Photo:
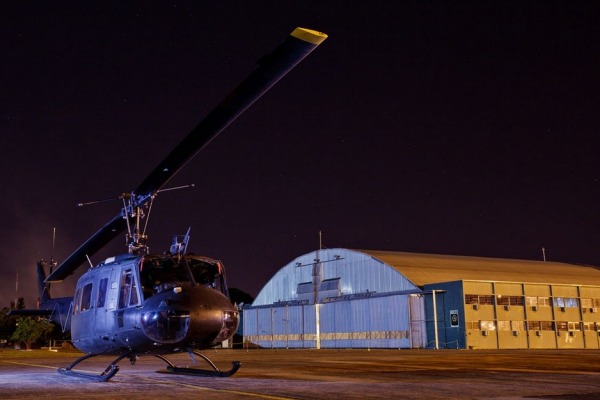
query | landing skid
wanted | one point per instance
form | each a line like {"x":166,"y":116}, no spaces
{"x":173,"y":369}
{"x":113,"y":368}
{"x":108,"y":373}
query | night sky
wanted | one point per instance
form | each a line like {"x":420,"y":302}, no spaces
{"x":465,"y":128}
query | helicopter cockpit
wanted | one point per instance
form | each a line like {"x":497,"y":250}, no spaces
{"x":166,"y":271}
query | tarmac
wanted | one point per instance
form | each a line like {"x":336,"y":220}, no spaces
{"x":317,"y":374}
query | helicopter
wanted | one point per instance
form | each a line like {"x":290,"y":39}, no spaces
{"x":137,"y":304}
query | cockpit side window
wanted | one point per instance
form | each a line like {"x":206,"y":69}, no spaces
{"x":210,"y":274}
{"x":76,"y":300}
{"x":134,"y":299}
{"x":102,"y":292}
{"x":128,"y":292}
{"x":86,"y":297}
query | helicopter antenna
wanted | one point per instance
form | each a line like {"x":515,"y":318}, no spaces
{"x":52,"y":260}
{"x":90,"y":261}
{"x":53,"y":243}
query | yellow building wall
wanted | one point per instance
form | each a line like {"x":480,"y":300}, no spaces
{"x":565,"y":291}
{"x":531,"y":315}
{"x":478,"y":287}
{"x":536,"y":289}
{"x":542,"y":339}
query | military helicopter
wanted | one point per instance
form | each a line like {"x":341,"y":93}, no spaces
{"x":138,"y":304}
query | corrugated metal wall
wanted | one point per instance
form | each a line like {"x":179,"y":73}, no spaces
{"x":394,"y":321}
{"x":357,"y":272}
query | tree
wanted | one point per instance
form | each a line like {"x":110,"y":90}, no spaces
{"x":7,"y":325}
{"x":20,"y":303}
{"x":30,"y":330}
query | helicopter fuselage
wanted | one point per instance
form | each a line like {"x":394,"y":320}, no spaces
{"x":152,"y":304}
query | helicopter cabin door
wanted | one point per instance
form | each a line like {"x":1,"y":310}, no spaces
{"x":103,"y":324}
{"x":106,"y":303}
{"x":129,"y":298}
{"x":82,"y":320}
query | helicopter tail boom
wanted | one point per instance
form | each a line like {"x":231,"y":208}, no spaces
{"x":57,"y":310}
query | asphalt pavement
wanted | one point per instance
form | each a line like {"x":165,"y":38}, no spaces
{"x":317,"y":374}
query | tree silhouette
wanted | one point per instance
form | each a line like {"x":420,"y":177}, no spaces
{"x":30,"y":330}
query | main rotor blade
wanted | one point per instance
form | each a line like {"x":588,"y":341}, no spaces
{"x":270,"y":69}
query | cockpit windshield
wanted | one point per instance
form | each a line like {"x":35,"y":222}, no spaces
{"x":164,"y":272}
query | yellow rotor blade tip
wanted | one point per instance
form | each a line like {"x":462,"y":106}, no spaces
{"x":309,"y":35}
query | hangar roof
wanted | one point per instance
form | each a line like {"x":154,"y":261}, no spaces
{"x":423,"y":269}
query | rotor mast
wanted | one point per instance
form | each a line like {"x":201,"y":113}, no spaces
{"x":136,"y":240}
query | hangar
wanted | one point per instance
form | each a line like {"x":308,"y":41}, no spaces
{"x":341,"y":298}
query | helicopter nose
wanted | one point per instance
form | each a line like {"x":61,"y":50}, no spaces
{"x":166,"y":326}
{"x":230,"y":325}
{"x":196,"y":316}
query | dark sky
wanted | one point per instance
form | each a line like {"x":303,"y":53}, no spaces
{"x":465,"y":128}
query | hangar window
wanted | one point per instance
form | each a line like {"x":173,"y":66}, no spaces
{"x":305,"y":287}
{"x":534,"y":326}
{"x":545,"y":301}
{"x":531,"y":301}
{"x":487,"y":325}
{"x":575,"y":326}
{"x":504,"y":325}
{"x":517,"y":325}
{"x":559,"y":302}
{"x":570,"y":302}
{"x":562,"y":325}
{"x":540,"y":326}
{"x":587,"y":303}
{"x":330,"y":284}
{"x":511,"y":326}
{"x":509,"y":300}
{"x":472,"y":324}
{"x":546,"y":326}
{"x":537,"y":301}
{"x":479,"y":299}
{"x":471,"y":299}
{"x":590,"y":326}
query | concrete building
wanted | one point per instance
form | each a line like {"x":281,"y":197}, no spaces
{"x":340,"y":298}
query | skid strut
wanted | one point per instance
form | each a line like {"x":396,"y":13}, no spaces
{"x":108,"y":373}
